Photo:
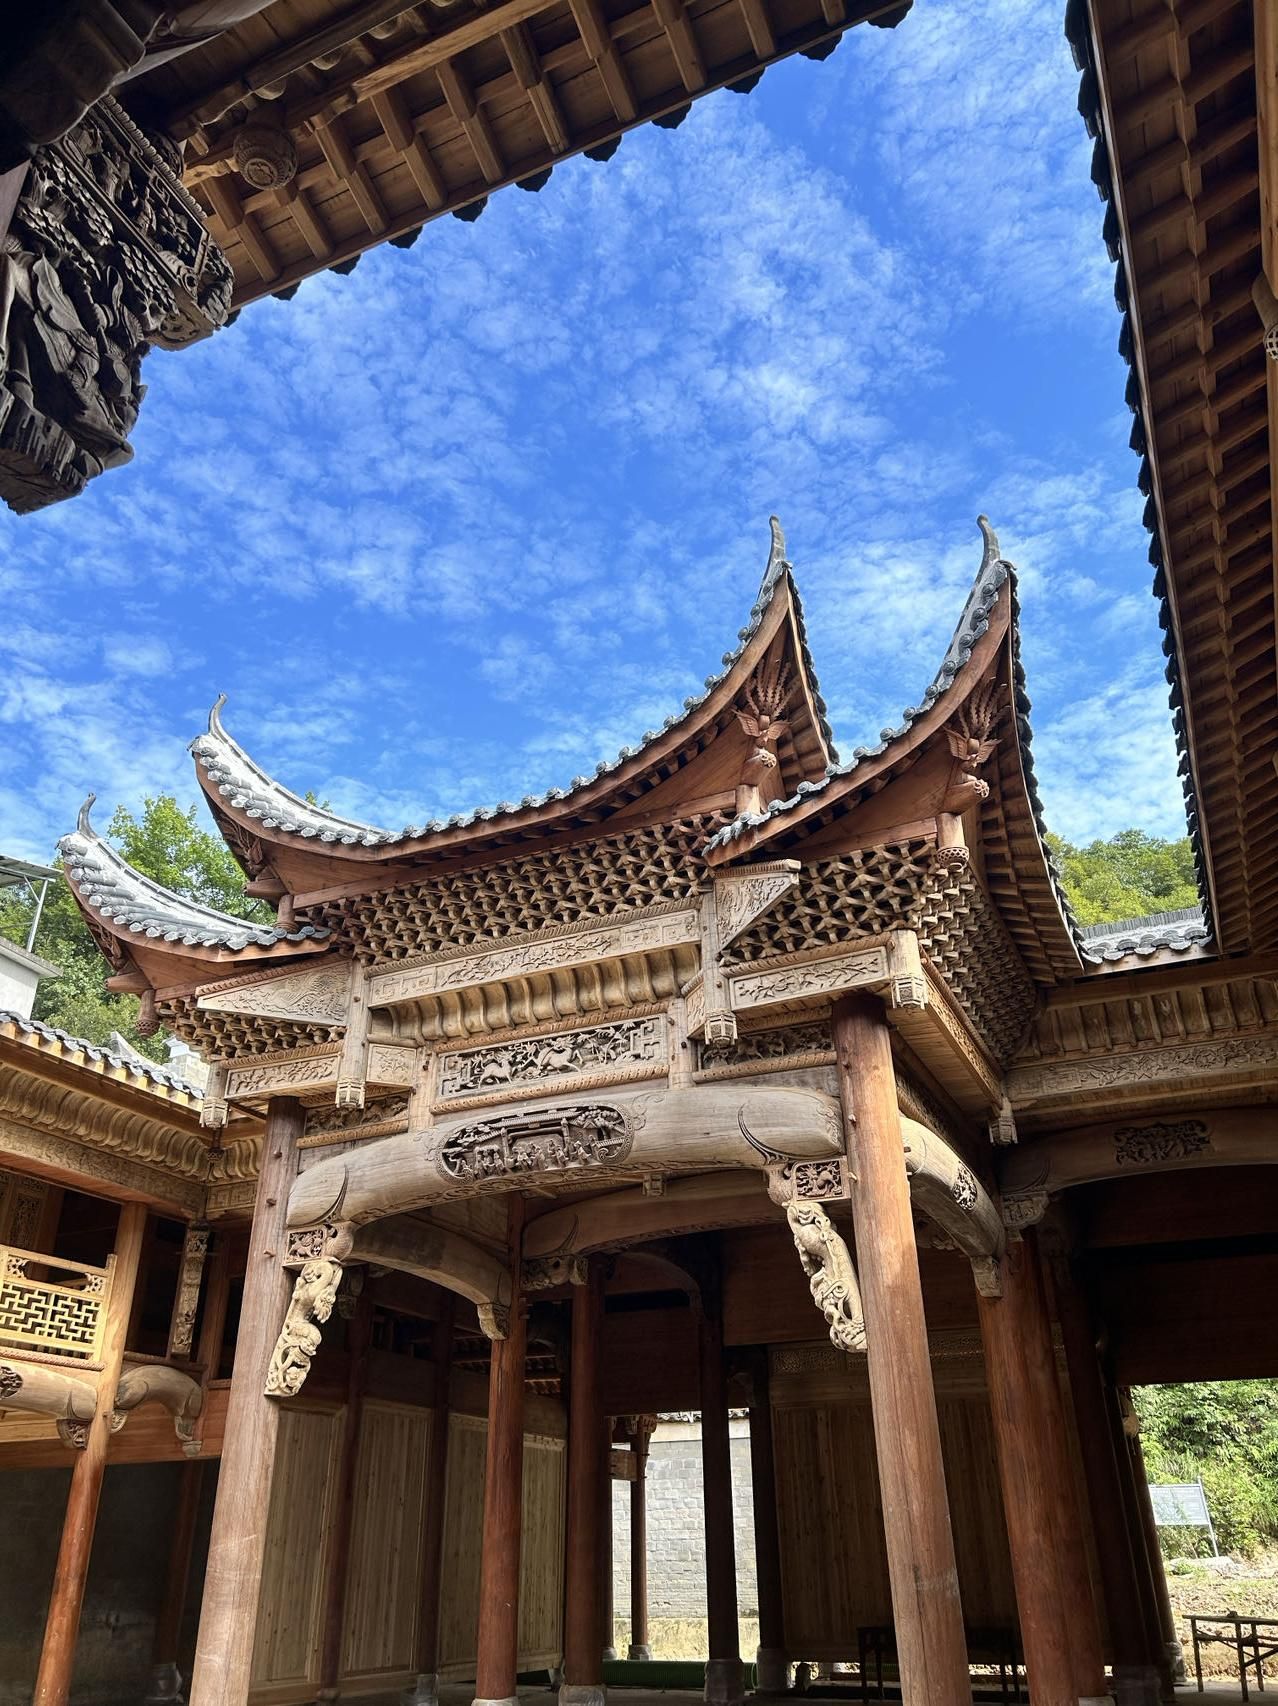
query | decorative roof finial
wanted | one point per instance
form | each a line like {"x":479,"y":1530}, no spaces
{"x":215,"y":715}
{"x":992,"y":552}
{"x":776,"y":564}
{"x":82,"y":823}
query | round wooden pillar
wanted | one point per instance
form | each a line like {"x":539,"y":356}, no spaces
{"x":1173,"y":1655}
{"x":587,"y":1466}
{"x":771,"y":1663}
{"x":166,"y":1680}
{"x":1135,"y":1669}
{"x":497,"y":1661}
{"x":62,"y":1624}
{"x":237,"y":1544}
{"x":639,"y":1652}
{"x":930,"y":1639}
{"x":1059,"y":1629}
{"x":725,"y":1677}
{"x":607,"y":1610}
{"x":425,"y":1690}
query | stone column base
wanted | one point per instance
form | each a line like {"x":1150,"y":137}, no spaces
{"x":1177,"y":1658}
{"x":610,"y":1655}
{"x":506,"y":1700}
{"x":424,"y":1691}
{"x":1137,"y":1685}
{"x":165,"y":1687}
{"x":772,"y":1671}
{"x":725,"y":1682}
{"x":640,"y":1655}
{"x":583,"y":1694}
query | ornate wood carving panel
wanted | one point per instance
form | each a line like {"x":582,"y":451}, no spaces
{"x":599,"y":1054}
{"x":319,"y":996}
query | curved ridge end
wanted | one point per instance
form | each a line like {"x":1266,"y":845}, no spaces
{"x":82,"y":824}
{"x":992,"y":552}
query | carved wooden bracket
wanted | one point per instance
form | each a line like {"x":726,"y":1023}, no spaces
{"x":743,"y":895}
{"x":314,"y":1293}
{"x":831,"y":1274}
{"x":48,"y":1392}
{"x":146,"y":1383}
{"x":947,"y":1190}
{"x":186,"y":1304}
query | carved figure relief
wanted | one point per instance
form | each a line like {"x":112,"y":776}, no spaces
{"x":187,"y":1303}
{"x":106,"y":254}
{"x":819,"y":977}
{"x":764,"y":721}
{"x":631,"y":1046}
{"x":314,"y":1294}
{"x":831,"y":1275}
{"x":544,"y":1272}
{"x":741,"y":898}
{"x":1160,"y":1141}
{"x":780,"y":1044}
{"x":330,"y":1241}
{"x":547,"y":1140}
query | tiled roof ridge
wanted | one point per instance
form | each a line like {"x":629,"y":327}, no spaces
{"x":1145,"y":921}
{"x":1078,"y":35}
{"x":138,"y":1065}
{"x":250,"y":789}
{"x":110,"y":887}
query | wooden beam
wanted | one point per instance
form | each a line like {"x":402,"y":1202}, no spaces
{"x":389,"y":107}
{"x":294,"y":199}
{"x":475,"y":126}
{"x":673,"y":17}
{"x":336,"y":148}
{"x":525,"y":62}
{"x":228,"y":208}
{"x":759,"y":27}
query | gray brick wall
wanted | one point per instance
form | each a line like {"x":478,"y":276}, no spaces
{"x":676,"y":1538}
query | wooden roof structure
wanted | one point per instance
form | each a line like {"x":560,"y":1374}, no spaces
{"x":314,"y":131}
{"x":1183,"y":102}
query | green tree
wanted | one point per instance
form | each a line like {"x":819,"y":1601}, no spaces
{"x":1224,"y":1433}
{"x":1128,"y":876}
{"x":164,"y":843}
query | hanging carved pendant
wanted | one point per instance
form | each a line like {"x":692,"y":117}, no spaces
{"x":314,"y":1294}
{"x":105,"y":254}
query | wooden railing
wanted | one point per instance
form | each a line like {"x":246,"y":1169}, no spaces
{"x":53,"y":1307}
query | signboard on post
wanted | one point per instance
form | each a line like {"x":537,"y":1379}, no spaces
{"x":1183,"y":1505}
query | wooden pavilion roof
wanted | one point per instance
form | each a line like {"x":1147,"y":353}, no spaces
{"x":399,"y":114}
{"x":1182,"y":99}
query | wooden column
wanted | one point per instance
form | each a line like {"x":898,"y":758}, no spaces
{"x":930,"y":1639}
{"x":1059,"y":1629}
{"x":57,"y":1655}
{"x":337,"y":1574}
{"x":1135,"y":1666}
{"x":497,"y":1666}
{"x":725,"y":1677}
{"x":1173,"y":1654}
{"x":1150,"y":1614}
{"x":771,"y":1662}
{"x":166,"y":1679}
{"x":587,"y":1443}
{"x":639,"y":1651}
{"x":607,"y":1610}
{"x":425,"y":1690}
{"x":228,"y":1616}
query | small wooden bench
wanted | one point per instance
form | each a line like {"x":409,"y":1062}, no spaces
{"x":997,"y":1648}
{"x":1254,"y":1639}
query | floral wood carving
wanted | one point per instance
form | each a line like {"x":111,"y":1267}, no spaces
{"x":831,"y":1275}
{"x":105,"y":254}
{"x":314,"y":1294}
{"x":322,"y":995}
{"x":742,"y":897}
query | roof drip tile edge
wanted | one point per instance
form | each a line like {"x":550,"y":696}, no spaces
{"x":158,"y":1074}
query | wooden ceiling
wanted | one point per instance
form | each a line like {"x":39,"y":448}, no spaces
{"x":1184,"y":99}
{"x":400,"y":115}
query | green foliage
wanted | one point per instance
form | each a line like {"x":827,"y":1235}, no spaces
{"x":1224,"y":1433}
{"x":1128,"y":876}
{"x":166,"y":844}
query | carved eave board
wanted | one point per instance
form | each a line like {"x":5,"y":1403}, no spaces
{"x":757,"y":732}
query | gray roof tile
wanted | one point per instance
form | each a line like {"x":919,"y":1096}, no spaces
{"x":137,"y":1065}
{"x":1176,"y":931}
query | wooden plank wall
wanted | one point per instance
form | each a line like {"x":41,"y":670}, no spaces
{"x":386,"y":1551}
{"x":833,"y":1560}
{"x":286,"y":1656}
{"x":541,"y":1563}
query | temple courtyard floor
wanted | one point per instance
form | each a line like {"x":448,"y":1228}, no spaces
{"x":461,"y":1694}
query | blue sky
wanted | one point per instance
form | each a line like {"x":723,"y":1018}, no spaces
{"x":451,"y":529}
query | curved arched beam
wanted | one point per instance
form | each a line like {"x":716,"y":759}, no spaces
{"x":147,"y":1383}
{"x":621,"y":1219}
{"x":639,"y":1132}
{"x":434,"y":1253}
{"x":48,"y":1392}
{"x":948,"y":1192}
{"x":1127,"y":1148}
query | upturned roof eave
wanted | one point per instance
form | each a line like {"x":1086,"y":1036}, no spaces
{"x":242,"y":794}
